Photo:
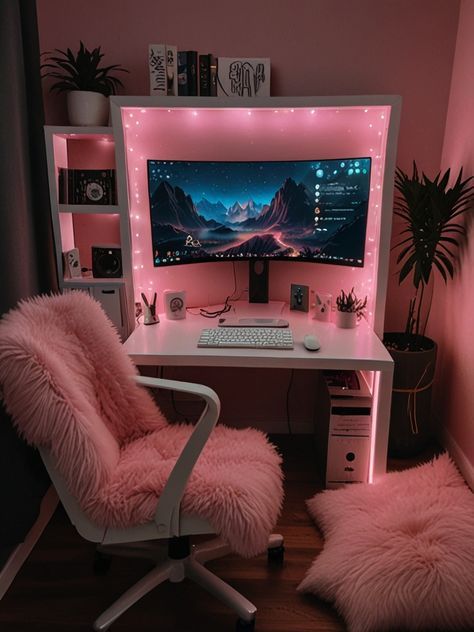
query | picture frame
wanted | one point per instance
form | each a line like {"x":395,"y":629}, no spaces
{"x":243,"y":77}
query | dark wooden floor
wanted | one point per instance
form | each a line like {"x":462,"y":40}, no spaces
{"x":56,"y":589}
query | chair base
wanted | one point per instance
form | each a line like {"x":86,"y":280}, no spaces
{"x":181,"y":562}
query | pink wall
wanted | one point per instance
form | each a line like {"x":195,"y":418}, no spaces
{"x":317,"y":47}
{"x":452,"y":313}
{"x":261,"y":134}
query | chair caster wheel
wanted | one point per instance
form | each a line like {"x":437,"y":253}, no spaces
{"x":102,"y":562}
{"x":276,"y":555}
{"x":245,"y":626}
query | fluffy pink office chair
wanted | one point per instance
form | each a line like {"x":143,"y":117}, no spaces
{"x":123,"y":473}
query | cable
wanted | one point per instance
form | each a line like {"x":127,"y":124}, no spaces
{"x":172,"y":397}
{"x":224,"y":310}
{"x":175,"y":408}
{"x":207,"y":314}
{"x":290,"y":383}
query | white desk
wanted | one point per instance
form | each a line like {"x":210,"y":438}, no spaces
{"x":174,"y":343}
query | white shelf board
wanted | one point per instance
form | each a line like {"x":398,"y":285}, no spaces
{"x":99,"y":209}
{"x":91,"y":281}
{"x":65,"y":131}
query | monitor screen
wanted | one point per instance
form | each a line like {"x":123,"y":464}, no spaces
{"x":314,"y":210}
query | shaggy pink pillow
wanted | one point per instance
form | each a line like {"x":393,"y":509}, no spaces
{"x":398,"y":554}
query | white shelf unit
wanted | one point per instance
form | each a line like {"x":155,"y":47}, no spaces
{"x":267,"y":128}
{"x":83,"y":225}
{"x":274,"y":128}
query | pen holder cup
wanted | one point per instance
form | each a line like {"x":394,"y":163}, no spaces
{"x":150,"y":316}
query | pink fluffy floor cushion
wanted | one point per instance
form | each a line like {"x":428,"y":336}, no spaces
{"x":398,"y":554}
{"x":66,"y":383}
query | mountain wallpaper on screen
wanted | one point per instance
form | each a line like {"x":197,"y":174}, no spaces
{"x":311,"y":210}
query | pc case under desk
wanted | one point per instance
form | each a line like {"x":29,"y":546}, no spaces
{"x":343,"y":428}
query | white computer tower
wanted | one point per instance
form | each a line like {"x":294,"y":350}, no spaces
{"x":344,"y":432}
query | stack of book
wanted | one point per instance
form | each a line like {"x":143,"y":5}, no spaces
{"x":181,"y":73}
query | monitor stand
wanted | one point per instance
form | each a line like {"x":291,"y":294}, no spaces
{"x":258,"y":280}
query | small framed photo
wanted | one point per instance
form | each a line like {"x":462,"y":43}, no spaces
{"x":243,"y":77}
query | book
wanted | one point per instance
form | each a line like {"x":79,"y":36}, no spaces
{"x":62,"y":186}
{"x":243,"y":77}
{"x":182,"y":73}
{"x":192,"y":71}
{"x":171,"y":71}
{"x":204,"y":76}
{"x":212,"y":75}
{"x":157,"y":69}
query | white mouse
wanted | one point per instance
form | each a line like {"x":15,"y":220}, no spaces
{"x":311,"y":342}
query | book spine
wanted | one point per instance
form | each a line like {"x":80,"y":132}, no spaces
{"x":107,"y":180}
{"x":157,"y":68}
{"x":61,"y":186}
{"x":172,"y":71}
{"x":70,"y":187}
{"x":212,"y":75}
{"x":204,"y":76}
{"x":192,"y":73}
{"x":182,"y":73}
{"x":113,"y":187}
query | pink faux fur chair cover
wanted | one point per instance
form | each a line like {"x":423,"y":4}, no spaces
{"x":66,"y":383}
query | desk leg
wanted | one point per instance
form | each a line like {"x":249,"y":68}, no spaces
{"x":381,"y":422}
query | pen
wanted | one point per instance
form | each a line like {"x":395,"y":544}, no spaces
{"x":154,"y":300}
{"x":144,"y":300}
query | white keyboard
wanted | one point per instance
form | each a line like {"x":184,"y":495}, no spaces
{"x":247,"y":337}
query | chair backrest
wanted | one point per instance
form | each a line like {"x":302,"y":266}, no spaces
{"x":66,"y":382}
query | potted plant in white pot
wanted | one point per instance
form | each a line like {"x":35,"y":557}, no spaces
{"x":431,"y":234}
{"x":349,"y":309}
{"x":88,"y":85}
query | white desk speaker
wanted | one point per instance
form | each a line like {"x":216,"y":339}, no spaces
{"x":175,"y":304}
{"x":72,"y":264}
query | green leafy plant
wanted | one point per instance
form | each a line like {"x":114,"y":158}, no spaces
{"x":430,"y":210}
{"x":348,"y":302}
{"x":81,"y":71}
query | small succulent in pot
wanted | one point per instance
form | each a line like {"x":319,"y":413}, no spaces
{"x":348,"y":302}
{"x":350,"y":309}
{"x":81,"y":71}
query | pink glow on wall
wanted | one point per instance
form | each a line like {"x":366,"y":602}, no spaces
{"x":250,"y":134}
{"x":86,"y":151}
{"x":95,"y":230}
{"x":91,"y":154}
{"x":450,"y":321}
{"x":368,"y":48}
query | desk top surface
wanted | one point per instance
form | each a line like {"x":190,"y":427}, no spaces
{"x":174,"y":343}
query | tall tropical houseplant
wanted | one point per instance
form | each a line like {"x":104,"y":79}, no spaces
{"x":87,"y":84}
{"x":432,"y":232}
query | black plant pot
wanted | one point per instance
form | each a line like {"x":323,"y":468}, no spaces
{"x":411,"y":427}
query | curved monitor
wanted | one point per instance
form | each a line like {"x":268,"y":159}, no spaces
{"x":312,"y":210}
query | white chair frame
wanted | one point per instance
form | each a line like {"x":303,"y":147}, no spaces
{"x":168,"y":523}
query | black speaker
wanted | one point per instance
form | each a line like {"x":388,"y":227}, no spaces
{"x":258,"y":281}
{"x":106,"y":262}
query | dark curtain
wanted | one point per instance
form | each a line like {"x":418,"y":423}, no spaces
{"x":26,"y":243}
